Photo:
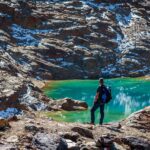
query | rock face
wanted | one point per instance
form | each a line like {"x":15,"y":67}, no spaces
{"x":86,"y":40}
{"x":39,"y":132}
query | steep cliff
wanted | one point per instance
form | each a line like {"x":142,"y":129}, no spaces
{"x":74,"y":39}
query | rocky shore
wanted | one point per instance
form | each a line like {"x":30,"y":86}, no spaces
{"x":25,"y":127}
{"x":36,"y":131}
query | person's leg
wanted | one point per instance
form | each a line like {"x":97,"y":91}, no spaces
{"x":102,"y":114}
{"x":93,"y":109}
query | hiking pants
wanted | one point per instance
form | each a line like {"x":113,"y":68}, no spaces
{"x":94,"y":108}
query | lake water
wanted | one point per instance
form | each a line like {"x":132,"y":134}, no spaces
{"x":129,"y":95}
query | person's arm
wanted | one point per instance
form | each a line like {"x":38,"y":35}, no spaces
{"x":96,"y":97}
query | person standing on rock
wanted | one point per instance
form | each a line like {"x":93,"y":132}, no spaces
{"x":103,"y":95}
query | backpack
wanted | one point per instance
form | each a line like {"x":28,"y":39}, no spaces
{"x":106,"y":94}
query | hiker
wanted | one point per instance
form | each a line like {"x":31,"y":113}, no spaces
{"x":103,"y":95}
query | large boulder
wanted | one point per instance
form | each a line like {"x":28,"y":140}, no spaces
{"x":105,"y":141}
{"x":68,"y":104}
{"x":138,"y":143}
{"x":73,"y":136}
{"x":45,"y":141}
{"x":72,"y":145}
{"x":83,"y":131}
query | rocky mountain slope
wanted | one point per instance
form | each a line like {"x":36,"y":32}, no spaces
{"x":43,"y":40}
{"x":74,"y":39}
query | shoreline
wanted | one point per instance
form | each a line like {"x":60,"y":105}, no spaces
{"x":129,"y":133}
{"x":45,"y":83}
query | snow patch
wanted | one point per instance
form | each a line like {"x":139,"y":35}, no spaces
{"x":126,"y":44}
{"x":27,"y":98}
{"x":108,"y":70}
{"x":31,"y":101}
{"x":27,"y":37}
{"x":4,"y":15}
{"x":38,"y":78}
{"x":9,"y":112}
{"x":119,"y":38}
{"x":91,"y":18}
{"x":134,"y":16}
{"x":39,"y":106}
{"x":25,"y":64}
{"x":124,"y":20}
{"x":104,"y":16}
{"x":66,"y":64}
{"x":2,"y":64}
{"x":85,"y":6}
{"x":132,"y":60}
{"x":81,"y":47}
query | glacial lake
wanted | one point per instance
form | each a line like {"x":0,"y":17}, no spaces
{"x":129,"y":95}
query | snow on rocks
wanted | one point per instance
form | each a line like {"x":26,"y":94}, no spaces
{"x":2,"y":64}
{"x":66,"y":64}
{"x":25,"y":64}
{"x":9,"y":112}
{"x":27,"y":37}
{"x":31,"y":101}
{"x":108,"y":70}
{"x":124,"y":20}
{"x":4,"y":15}
{"x":27,"y":96}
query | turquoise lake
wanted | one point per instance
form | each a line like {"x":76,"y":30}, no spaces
{"x":129,"y":95}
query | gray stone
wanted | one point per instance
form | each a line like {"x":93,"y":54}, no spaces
{"x":137,"y":143}
{"x":12,"y":139}
{"x":105,"y":141}
{"x":71,"y":135}
{"x":117,"y":146}
{"x":83,"y":131}
{"x":33,"y":128}
{"x":72,"y":145}
{"x":8,"y":147}
{"x":45,"y":141}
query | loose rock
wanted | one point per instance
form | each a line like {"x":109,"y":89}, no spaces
{"x":45,"y":141}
